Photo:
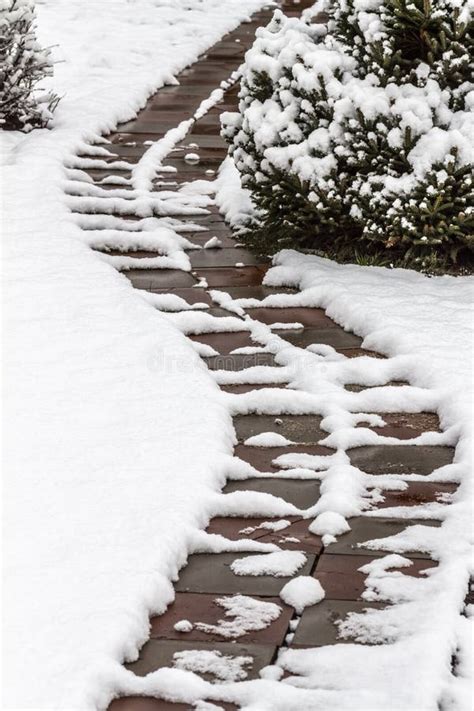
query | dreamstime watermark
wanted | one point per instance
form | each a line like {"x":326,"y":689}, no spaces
{"x":161,"y":360}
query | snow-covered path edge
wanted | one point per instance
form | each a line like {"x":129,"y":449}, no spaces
{"x":111,"y":461}
{"x":429,"y":322}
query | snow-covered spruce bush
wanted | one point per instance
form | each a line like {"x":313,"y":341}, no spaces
{"x":358,"y":139}
{"x":23,"y":63}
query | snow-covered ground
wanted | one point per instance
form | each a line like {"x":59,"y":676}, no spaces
{"x":113,"y":460}
{"x":425,"y":326}
{"x":110,"y":453}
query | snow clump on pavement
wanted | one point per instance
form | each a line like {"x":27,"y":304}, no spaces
{"x":302,"y":592}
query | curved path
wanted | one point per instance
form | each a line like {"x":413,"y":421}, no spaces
{"x":208,"y":576}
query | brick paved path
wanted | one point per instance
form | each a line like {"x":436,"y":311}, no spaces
{"x":208,"y":576}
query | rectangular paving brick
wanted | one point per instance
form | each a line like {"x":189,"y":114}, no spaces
{"x":297,"y":7}
{"x":121,"y":137}
{"x":226,"y":342}
{"x":417,"y":492}
{"x":359,"y":353}
{"x":352,"y":387}
{"x":210,"y":221}
{"x":202,"y":607}
{"x":240,"y":362}
{"x":209,"y":152}
{"x":341,"y":579}
{"x":210,"y":125}
{"x":295,"y":536}
{"x":317,"y":626}
{"x":335,"y":337}
{"x":367,"y":528}
{"x":157,"y":654}
{"x":240,"y":527}
{"x":135,"y":253}
{"x":407,"y":426}
{"x":211,"y":573}
{"x":147,"y":125}
{"x":204,"y":70}
{"x":182,"y":166}
{"x":231,"y":276}
{"x":315,"y":318}
{"x":262,"y":457}
{"x":226,"y":50}
{"x":223,"y":257}
{"x":214,"y":226}
{"x":200,"y":238}
{"x":188,"y":171}
{"x":152,"y":279}
{"x":227,"y":104}
{"x":296,"y":428}
{"x":186,"y":105}
{"x":113,"y":184}
{"x":396,"y":459}
{"x":243,"y":388}
{"x":255,"y":292}
{"x":302,"y":493}
{"x":203,"y":141}
{"x":144,"y":703}
{"x":190,"y":295}
{"x":219,"y":312}
{"x":175,"y":90}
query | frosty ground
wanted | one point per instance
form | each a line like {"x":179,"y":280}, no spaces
{"x":119,"y":439}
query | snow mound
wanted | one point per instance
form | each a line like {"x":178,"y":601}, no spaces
{"x":302,"y":592}
{"x":267,"y":439}
{"x":329,"y":523}
{"x":183,"y":626}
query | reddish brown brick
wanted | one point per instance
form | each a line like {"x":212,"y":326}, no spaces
{"x":202,"y":607}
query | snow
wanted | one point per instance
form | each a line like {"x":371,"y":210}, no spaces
{"x":146,"y":169}
{"x":267,"y":439}
{"x":233,"y":200}
{"x":98,"y":509}
{"x":115,"y":465}
{"x":418,"y":118}
{"x":281,"y":564}
{"x":428,"y":341}
{"x":213,"y":243}
{"x":222,"y":666}
{"x":301,"y":592}
{"x":329,"y":523}
{"x":271,"y":672}
{"x":183,"y":626}
{"x":267,"y":526}
{"x":246,"y":615}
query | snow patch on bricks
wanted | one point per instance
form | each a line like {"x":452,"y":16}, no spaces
{"x":280,"y":564}
{"x":267,"y":439}
{"x":243,"y":614}
{"x":302,"y":592}
{"x":224,"y":667}
{"x":427,"y":339}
